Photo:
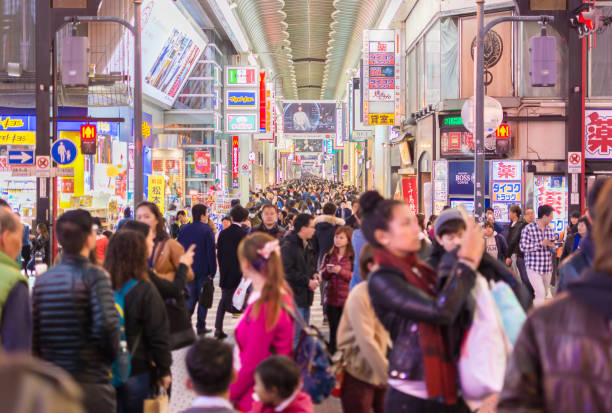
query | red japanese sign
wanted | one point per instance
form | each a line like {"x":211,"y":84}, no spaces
{"x":552,"y":190}
{"x":262,"y":101}
{"x":409,"y":189}
{"x":166,"y":165}
{"x":202,"y":162}
{"x":381,"y":83}
{"x":120,"y":187}
{"x":235,"y":157}
{"x":507,"y":171}
{"x":598,"y":134}
{"x":382,"y":59}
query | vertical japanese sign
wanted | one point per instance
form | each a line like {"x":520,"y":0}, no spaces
{"x":598,"y":134}
{"x":552,"y":190}
{"x":202,"y":162}
{"x":440,"y":190}
{"x":506,"y":187}
{"x":157,"y":191}
{"x":409,"y":189}
{"x":381,"y":77}
{"x":262,"y":101}
{"x":339,"y":144}
{"x":235,"y":157}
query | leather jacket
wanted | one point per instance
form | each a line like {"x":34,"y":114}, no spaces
{"x":560,"y":362}
{"x":76,"y":325}
{"x":580,"y":260}
{"x":401,"y":307}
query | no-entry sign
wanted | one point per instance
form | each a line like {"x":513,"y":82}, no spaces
{"x":574,"y":162}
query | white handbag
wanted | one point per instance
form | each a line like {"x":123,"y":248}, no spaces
{"x":485,"y":348}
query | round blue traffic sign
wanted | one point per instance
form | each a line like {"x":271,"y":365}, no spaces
{"x":64,"y":151}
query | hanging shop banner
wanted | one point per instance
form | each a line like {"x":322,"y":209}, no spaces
{"x":552,"y":190}
{"x":313,"y":117}
{"x":409,"y":190}
{"x":241,"y":76}
{"x":171,"y":48}
{"x":157,"y":191}
{"x":241,"y":99}
{"x":235,"y":157}
{"x":339,"y":142}
{"x":17,"y":130}
{"x":202,"y":162}
{"x":243,"y":123}
{"x":598,"y":134}
{"x":381,"y":77}
{"x":506,"y":187}
{"x":262,"y":102}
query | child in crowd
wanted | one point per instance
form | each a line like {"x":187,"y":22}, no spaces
{"x":210,"y":367}
{"x":278,"y":388}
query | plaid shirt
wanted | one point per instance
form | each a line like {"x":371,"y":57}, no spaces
{"x":537,"y":257}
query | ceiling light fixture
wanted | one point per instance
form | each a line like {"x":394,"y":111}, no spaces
{"x":228,"y":15}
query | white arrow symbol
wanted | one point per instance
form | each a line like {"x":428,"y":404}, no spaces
{"x":23,"y":157}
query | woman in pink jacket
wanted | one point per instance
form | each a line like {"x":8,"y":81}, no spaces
{"x":265,"y":328}
{"x":337,"y":270}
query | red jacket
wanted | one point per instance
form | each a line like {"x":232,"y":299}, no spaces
{"x":337,"y":283}
{"x":301,"y":404}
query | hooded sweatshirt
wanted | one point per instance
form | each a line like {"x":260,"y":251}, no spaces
{"x":301,"y":403}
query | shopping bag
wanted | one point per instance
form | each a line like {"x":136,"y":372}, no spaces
{"x":158,"y":404}
{"x":512,"y":314}
{"x":484,"y":351}
{"x":240,"y":295}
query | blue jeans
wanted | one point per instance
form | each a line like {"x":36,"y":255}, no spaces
{"x":131,"y":396}
{"x":305,"y":312}
{"x":195,"y":288}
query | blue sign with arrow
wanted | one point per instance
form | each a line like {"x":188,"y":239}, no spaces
{"x":21,"y":157}
{"x":64,"y":151}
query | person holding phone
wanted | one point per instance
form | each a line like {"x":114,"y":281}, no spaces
{"x":337,"y":270}
{"x":538,"y":242}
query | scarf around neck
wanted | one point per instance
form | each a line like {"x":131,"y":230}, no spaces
{"x":440,"y":369}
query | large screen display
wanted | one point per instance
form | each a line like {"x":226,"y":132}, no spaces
{"x":308,"y":145}
{"x":171,"y":48}
{"x":309,"y":117}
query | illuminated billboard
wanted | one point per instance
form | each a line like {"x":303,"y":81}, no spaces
{"x":171,"y":48}
{"x":313,"y":117}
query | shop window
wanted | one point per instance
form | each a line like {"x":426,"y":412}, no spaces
{"x":449,"y":59}
{"x":420,"y":75}
{"x":600,"y":62}
{"x":411,"y":82}
{"x":527,"y":31}
{"x":432,"y":65}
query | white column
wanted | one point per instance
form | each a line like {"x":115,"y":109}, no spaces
{"x":382,"y":161}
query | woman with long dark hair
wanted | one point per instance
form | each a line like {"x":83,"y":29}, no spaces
{"x":166,"y":255}
{"x":414,"y":309}
{"x":266,"y":327}
{"x":337,"y":270}
{"x":146,"y":322}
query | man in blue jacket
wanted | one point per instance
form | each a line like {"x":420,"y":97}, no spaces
{"x":204,"y":260}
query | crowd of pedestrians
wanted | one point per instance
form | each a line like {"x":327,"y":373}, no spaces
{"x":400,"y":295}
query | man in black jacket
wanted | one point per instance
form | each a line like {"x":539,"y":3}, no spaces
{"x":76,"y":325}
{"x":517,"y":223}
{"x":269,"y":225}
{"x":229,"y":267}
{"x":300,"y":265}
